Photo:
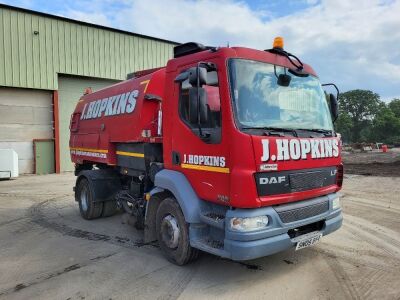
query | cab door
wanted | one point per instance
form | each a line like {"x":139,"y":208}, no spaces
{"x":200,"y":148}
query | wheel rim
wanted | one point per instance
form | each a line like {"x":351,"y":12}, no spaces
{"x":170,"y":231}
{"x":84,"y":199}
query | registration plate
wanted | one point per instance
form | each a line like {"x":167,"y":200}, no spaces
{"x":307,"y":240}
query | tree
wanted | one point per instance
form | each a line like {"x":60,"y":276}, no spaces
{"x":361,"y":107}
{"x":344,"y":126}
{"x":394,"y":106}
{"x":386,"y":126}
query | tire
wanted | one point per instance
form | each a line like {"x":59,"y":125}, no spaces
{"x":109,"y":208}
{"x":173,"y":233}
{"x":84,"y":195}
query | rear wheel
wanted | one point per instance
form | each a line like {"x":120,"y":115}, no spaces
{"x":109,"y":208}
{"x":173,"y":233}
{"x":88,"y":208}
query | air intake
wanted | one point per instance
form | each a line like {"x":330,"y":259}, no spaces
{"x":302,"y":210}
{"x":189,"y":48}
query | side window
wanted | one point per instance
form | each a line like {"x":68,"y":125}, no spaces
{"x":211,"y":123}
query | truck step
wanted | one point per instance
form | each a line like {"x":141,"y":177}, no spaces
{"x":210,"y":246}
{"x":213,"y":219}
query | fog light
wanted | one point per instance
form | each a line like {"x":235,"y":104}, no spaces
{"x":248,"y":224}
{"x":336,"y":203}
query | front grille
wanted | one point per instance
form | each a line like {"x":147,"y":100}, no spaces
{"x":296,"y":214}
{"x":307,"y":181}
{"x":290,"y":181}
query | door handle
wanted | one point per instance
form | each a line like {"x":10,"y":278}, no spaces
{"x":176,"y":158}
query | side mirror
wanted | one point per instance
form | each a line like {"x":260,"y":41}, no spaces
{"x":284,"y":80}
{"x":334,"y":107}
{"x":333,"y":101}
{"x":197,"y":75}
{"x":198,"y":106}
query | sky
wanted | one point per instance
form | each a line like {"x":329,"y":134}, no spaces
{"x":355,"y":44}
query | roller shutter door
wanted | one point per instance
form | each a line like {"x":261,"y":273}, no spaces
{"x":25,"y":115}
{"x":70,"y":89}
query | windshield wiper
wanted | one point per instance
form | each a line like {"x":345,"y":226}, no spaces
{"x":325,"y":132}
{"x":273,"y":130}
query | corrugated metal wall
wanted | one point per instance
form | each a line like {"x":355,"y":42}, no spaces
{"x":33,"y":60}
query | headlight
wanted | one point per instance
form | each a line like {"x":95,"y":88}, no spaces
{"x":248,"y":224}
{"x":336,"y":203}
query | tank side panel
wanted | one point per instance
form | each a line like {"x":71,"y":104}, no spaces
{"x":117,"y":114}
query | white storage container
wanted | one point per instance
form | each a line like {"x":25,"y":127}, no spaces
{"x":8,"y":163}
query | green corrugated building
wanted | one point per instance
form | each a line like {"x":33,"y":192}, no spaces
{"x":46,"y":62}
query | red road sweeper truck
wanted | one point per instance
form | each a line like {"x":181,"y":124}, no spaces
{"x":229,"y":150}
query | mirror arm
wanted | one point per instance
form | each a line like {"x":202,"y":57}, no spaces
{"x":336,"y":88}
{"x":182,"y":77}
{"x":337,"y":96}
{"x":198,"y":100}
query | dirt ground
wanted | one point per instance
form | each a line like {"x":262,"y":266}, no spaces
{"x":48,"y":252}
{"x":373,"y":163}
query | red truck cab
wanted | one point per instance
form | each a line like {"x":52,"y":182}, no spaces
{"x":230,"y":150}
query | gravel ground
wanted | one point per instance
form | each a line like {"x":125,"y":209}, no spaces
{"x":373,"y":163}
{"x":48,"y":252}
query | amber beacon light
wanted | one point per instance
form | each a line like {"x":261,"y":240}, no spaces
{"x":278,"y":43}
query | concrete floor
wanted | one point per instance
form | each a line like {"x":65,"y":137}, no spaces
{"x":47,"y":251}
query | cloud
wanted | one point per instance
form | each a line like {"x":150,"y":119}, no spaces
{"x":355,"y":44}
{"x":94,"y":18}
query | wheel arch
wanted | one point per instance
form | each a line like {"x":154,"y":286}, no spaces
{"x":103,"y":183}
{"x":171,"y":183}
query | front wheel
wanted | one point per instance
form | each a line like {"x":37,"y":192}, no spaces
{"x":173,"y":233}
{"x":88,"y":208}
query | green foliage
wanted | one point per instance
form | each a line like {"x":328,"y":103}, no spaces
{"x":386,"y":126}
{"x":394,"y":105}
{"x":365,"y":118}
{"x":344,"y":125}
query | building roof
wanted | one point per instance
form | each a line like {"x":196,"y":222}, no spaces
{"x":85,"y":23}
{"x":35,"y":48}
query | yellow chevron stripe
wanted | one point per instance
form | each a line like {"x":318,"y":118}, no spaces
{"x":205,"y":168}
{"x":134,"y":154}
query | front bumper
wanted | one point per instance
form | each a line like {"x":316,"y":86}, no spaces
{"x":274,"y":238}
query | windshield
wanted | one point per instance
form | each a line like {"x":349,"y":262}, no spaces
{"x":259,"y":102}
